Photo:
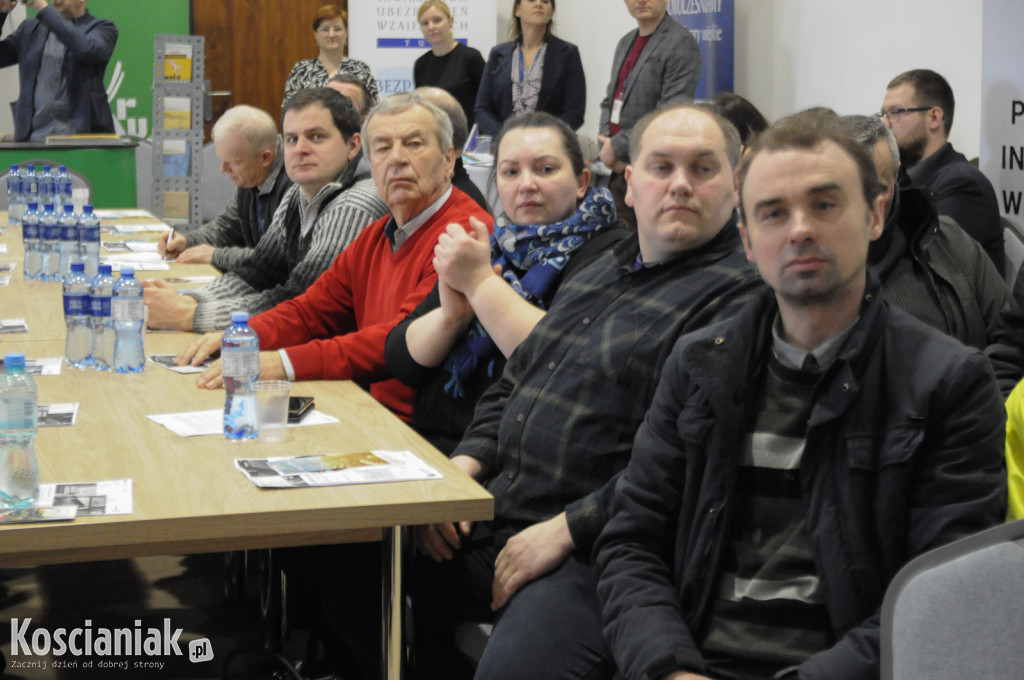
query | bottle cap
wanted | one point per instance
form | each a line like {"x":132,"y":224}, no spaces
{"x":14,"y":167}
{"x":105,"y":269}
{"x":33,"y":205}
{"x":14,"y":360}
{"x":48,"y":207}
{"x":127,"y":271}
{"x":86,"y":209}
{"x":239,"y":317}
{"x":62,"y":168}
{"x":78,"y":266}
{"x":69,"y":208}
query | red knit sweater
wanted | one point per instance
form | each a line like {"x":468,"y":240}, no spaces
{"x":337,"y":328}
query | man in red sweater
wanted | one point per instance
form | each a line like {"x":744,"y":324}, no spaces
{"x":337,"y":328}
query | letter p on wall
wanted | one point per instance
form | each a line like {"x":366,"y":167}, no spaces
{"x":1017,"y":110}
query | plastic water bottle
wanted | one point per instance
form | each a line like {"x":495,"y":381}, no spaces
{"x":49,"y":232}
{"x":19,"y":474}
{"x":240,"y":355}
{"x":47,"y":188}
{"x":89,"y":240}
{"x":32,"y":239}
{"x":128,"y":314}
{"x":68,"y":241}
{"x":63,"y":181}
{"x":30,"y":184}
{"x":103,"y":335}
{"x":77,"y":317}
{"x":15,"y":197}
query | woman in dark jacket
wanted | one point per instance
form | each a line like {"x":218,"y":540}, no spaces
{"x":534,"y":72}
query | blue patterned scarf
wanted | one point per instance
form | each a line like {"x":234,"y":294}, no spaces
{"x":531,"y":258}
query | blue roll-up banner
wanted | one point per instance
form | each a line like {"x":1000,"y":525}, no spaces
{"x":712,"y":23}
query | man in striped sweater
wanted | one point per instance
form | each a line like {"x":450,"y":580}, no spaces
{"x":329,"y":205}
{"x":796,"y":456}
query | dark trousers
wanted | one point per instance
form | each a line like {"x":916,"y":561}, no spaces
{"x":550,"y":629}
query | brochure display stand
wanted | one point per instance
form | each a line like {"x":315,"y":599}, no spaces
{"x":178,"y":73}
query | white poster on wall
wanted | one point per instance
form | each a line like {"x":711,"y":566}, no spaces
{"x":1002,"y":105}
{"x":386,"y":35}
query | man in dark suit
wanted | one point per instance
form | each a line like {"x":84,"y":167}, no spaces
{"x":62,"y":55}
{"x":918,"y":107}
{"x":657,"y":61}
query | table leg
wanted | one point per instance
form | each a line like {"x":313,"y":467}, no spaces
{"x":393,"y":594}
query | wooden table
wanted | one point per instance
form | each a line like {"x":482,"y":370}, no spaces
{"x":188,"y":497}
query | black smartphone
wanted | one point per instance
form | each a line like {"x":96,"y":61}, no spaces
{"x":298,"y":407}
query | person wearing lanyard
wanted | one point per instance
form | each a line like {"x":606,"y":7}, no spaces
{"x":535,"y":71}
{"x":658,"y":60}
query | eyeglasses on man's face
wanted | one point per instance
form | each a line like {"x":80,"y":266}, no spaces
{"x":892,"y":116}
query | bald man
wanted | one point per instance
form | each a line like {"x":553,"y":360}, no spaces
{"x":460,"y":133}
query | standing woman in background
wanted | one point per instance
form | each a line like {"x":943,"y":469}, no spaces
{"x":449,"y":65}
{"x":330,"y":30}
{"x":534,"y":72}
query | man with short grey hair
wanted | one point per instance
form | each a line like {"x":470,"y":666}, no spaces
{"x":460,"y":132}
{"x":250,"y":154}
{"x":928,"y":266}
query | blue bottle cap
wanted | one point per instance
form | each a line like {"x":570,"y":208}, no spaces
{"x":78,"y":267}
{"x":69,"y":209}
{"x":105,"y":269}
{"x":127,"y":272}
{"x":14,"y":360}
{"x":239,"y":317}
{"x":86,"y":209}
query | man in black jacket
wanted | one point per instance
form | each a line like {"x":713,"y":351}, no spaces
{"x":918,"y":108}
{"x":797,"y":455}
{"x":928,"y":266}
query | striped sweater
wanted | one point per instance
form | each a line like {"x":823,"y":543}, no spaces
{"x":301,"y":242}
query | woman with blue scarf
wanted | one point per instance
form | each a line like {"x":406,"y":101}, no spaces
{"x":492,"y":291}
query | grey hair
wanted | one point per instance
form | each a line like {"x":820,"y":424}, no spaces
{"x":450,"y":105}
{"x":869,"y":130}
{"x":255,"y":125}
{"x":402,"y":102}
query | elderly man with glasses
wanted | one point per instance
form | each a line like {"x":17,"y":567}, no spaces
{"x":918,"y":108}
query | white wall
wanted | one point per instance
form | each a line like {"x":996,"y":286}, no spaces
{"x":790,"y":54}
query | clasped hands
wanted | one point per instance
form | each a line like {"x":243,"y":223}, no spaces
{"x":463,"y":262}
